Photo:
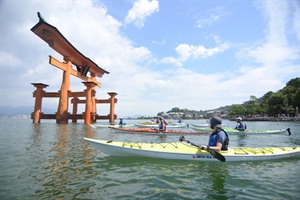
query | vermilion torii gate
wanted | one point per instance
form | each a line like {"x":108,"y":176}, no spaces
{"x":71,"y":56}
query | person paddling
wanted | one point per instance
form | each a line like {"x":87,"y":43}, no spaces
{"x":240,"y":126}
{"x":218,"y":139}
{"x":162,"y":124}
{"x":121,"y":123}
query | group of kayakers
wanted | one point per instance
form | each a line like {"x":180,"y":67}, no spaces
{"x":218,"y":139}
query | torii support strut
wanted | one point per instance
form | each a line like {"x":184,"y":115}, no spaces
{"x":112,"y":107}
{"x":36,"y":115}
{"x":89,"y":103}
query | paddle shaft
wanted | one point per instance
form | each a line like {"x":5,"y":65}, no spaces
{"x":213,"y":152}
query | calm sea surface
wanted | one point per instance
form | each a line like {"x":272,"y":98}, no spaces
{"x":51,"y":161}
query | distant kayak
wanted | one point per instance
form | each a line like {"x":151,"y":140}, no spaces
{"x":183,"y":151}
{"x":154,"y":131}
{"x":155,"y":125}
{"x":201,"y":125}
{"x":110,"y":125}
{"x":234,"y":131}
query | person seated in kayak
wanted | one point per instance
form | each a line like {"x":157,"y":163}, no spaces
{"x":121,"y":123}
{"x":162,"y":124}
{"x":180,"y":120}
{"x":218,"y":139}
{"x":240,"y":126}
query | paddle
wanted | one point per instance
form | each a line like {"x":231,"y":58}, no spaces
{"x":289,"y":131}
{"x":92,"y":126}
{"x":213,"y":152}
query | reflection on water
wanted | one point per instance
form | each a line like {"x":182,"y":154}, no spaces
{"x":218,"y":174}
{"x":63,"y":163}
{"x":241,"y":140}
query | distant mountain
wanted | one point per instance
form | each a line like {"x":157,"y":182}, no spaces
{"x":21,"y":110}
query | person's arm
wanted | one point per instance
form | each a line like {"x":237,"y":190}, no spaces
{"x":218,"y":147}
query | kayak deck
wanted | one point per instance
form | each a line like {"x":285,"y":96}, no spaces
{"x":183,"y":151}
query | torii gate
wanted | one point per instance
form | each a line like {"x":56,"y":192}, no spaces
{"x":71,"y":56}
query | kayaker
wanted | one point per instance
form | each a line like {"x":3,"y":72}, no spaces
{"x":162,"y":124}
{"x":218,"y":139}
{"x":121,"y":123}
{"x":180,"y":120}
{"x":240,"y":126}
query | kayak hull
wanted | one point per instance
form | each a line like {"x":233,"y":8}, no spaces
{"x":156,"y":125}
{"x":109,"y":125}
{"x":153,"y":131}
{"x":236,"y":132}
{"x":182,"y":151}
{"x":203,"y":125}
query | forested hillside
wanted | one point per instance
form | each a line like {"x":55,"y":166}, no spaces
{"x":284,"y":102}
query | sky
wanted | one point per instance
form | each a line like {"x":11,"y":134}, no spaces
{"x":161,"y":54}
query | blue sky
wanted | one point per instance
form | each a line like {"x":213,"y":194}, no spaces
{"x":161,"y":54}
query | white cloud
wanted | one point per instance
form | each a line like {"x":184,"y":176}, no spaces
{"x":201,"y":23}
{"x":140,"y":10}
{"x":186,"y":52}
{"x":296,"y":6}
{"x":209,"y":17}
{"x":9,"y":60}
{"x":272,"y":59}
{"x":275,"y":51}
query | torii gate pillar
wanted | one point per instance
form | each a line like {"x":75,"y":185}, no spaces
{"x":75,"y":105}
{"x":38,"y":101}
{"x":88,"y":103}
{"x":112,"y":107}
{"x":62,"y":110}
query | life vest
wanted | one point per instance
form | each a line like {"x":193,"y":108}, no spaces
{"x":214,"y":137}
{"x":161,"y":125}
{"x":241,"y":126}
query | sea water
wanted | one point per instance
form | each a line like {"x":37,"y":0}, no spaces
{"x":51,"y":161}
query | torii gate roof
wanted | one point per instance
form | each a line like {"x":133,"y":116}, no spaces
{"x":59,"y":43}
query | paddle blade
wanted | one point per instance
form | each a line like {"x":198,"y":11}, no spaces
{"x":181,"y":138}
{"x":217,"y":155}
{"x":289,"y":131}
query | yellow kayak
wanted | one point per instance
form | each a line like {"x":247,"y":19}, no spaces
{"x":183,"y":151}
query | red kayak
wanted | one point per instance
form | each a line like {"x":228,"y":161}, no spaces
{"x":156,"y":132}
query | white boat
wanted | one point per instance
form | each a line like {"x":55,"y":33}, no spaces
{"x":183,"y":151}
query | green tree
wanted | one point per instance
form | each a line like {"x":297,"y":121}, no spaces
{"x":296,"y":99}
{"x":252,"y":106}
{"x":275,"y":104}
{"x":175,"y":109}
{"x":160,"y":113}
{"x":236,"y":109}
